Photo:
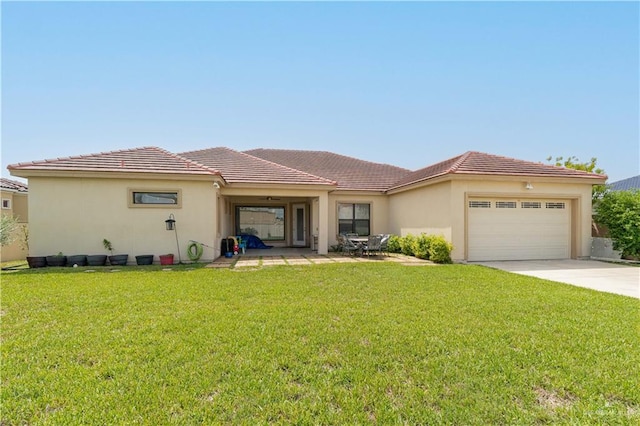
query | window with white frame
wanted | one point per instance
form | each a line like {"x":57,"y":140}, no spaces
{"x":6,"y":203}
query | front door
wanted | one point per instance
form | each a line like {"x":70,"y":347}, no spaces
{"x":299,"y":225}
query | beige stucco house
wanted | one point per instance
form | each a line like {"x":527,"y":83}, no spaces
{"x":490,"y":207}
{"x":14,"y":203}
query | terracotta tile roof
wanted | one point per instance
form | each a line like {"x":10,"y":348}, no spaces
{"x":138,"y":160}
{"x":349,"y":173}
{"x":626,"y":184}
{"x":237,"y":167}
{"x":13,"y":185}
{"x":479,"y":163}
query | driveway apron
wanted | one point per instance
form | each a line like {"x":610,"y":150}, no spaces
{"x":602,"y":276}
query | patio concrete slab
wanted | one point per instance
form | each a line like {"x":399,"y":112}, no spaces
{"x":247,"y":263}
{"x":602,"y":276}
{"x":298,"y":261}
{"x":315,"y":260}
{"x":295,"y":257}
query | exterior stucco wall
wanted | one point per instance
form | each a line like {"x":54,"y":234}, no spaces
{"x":74,"y":215}
{"x":423,"y":210}
{"x":19,"y":210}
{"x":379,"y":212}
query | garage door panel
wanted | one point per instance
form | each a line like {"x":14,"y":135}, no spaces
{"x":517,"y":233}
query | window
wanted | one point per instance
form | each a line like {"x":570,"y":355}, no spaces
{"x":266,"y":223}
{"x":555,"y":205}
{"x":480,"y":204}
{"x":531,"y":205}
{"x":354,"y":218}
{"x":146,"y":198}
{"x":6,"y":203}
{"x":505,"y":204}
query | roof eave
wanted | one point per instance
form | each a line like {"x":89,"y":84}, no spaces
{"x":113,"y":174}
{"x":281,"y":185}
{"x":13,"y":191}
{"x":587,"y":179}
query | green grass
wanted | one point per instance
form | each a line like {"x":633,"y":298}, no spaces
{"x":327,"y":344}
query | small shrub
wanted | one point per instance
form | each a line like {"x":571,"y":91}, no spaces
{"x":421,"y":246}
{"x":394,"y":244}
{"x":440,"y":250}
{"x":8,"y":227}
{"x":406,"y":244}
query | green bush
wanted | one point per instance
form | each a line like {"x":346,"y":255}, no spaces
{"x":440,"y":250}
{"x":8,"y":228}
{"x":620,"y":212}
{"x":406,"y":244}
{"x":394,"y":244}
{"x":421,"y":246}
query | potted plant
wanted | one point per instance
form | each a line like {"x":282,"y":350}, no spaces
{"x":37,"y":261}
{"x":99,"y":259}
{"x":78,"y":259}
{"x":166,"y":259}
{"x":144,"y":259}
{"x":57,"y":260}
{"x":117,"y":259}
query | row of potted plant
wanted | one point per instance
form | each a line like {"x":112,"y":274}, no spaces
{"x":95,"y":260}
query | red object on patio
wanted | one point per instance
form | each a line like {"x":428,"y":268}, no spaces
{"x":166,"y":259}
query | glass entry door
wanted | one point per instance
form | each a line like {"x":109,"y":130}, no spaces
{"x":299,"y":225}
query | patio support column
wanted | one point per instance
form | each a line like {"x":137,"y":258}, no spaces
{"x":323,"y":223}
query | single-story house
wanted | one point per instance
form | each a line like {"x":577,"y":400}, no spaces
{"x":490,"y":207}
{"x":14,"y":203}
{"x":626,"y":184}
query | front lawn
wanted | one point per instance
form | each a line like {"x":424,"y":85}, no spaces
{"x":327,"y":344}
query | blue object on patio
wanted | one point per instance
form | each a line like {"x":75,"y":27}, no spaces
{"x":254,"y":242}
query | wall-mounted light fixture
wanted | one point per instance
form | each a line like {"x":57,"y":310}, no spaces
{"x":216,"y":185}
{"x":528,"y":186}
{"x":170,"y":223}
{"x":171,"y":226}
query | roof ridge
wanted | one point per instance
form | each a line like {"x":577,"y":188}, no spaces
{"x":459,"y":162}
{"x":327,"y":152}
{"x":76,"y":157}
{"x":331,"y":182}
{"x":137,"y":159}
{"x":553,"y":166}
{"x":187,"y":160}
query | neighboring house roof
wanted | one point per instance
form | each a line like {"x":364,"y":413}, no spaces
{"x":138,"y":160}
{"x":13,"y":185}
{"x":349,"y":173}
{"x":239,"y":167}
{"x":479,"y":163}
{"x":626,"y":184}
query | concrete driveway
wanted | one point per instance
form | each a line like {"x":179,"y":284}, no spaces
{"x":601,"y":276}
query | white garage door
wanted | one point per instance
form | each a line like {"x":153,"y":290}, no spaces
{"x":510,"y":229}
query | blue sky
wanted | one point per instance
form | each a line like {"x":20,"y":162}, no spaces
{"x":408,"y":84}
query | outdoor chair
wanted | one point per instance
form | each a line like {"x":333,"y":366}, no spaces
{"x":384,"y":244}
{"x":373,"y":245}
{"x":349,"y":247}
